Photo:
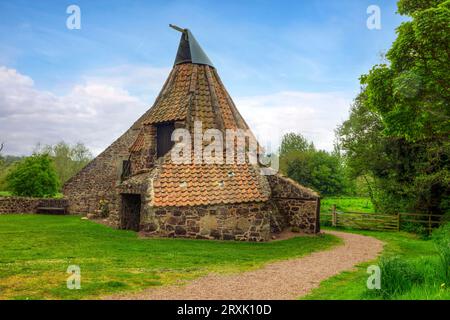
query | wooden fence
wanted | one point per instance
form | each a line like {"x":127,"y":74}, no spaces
{"x":379,"y":221}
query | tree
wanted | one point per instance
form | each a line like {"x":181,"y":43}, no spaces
{"x":398,"y":130}
{"x":6,"y":164}
{"x":68,"y":159}
{"x":294,"y":142}
{"x":1,"y":157}
{"x":317,"y":169}
{"x":34,"y":176}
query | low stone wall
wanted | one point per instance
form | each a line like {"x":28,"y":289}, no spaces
{"x":299,"y":213}
{"x":298,"y":206}
{"x":10,"y":205}
{"x":244,"y":221}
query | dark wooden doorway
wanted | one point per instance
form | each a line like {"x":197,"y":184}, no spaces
{"x":130,"y":211}
{"x":164,"y":138}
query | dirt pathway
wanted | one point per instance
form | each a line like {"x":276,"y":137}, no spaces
{"x":288,"y":279}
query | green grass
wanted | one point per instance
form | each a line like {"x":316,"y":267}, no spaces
{"x":37,"y":249}
{"x":415,"y":252}
{"x":357,"y":204}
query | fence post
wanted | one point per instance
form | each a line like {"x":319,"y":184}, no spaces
{"x":398,"y":221}
{"x":334,"y":218}
{"x":429,"y":223}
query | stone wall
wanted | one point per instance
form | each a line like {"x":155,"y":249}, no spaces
{"x":284,"y":187}
{"x":297,"y":205}
{"x":98,"y":180}
{"x":28,"y":205}
{"x":298,"y":213}
{"x":245,"y":221}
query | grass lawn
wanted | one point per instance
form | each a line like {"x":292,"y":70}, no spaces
{"x":410,"y":248}
{"x":37,"y":249}
{"x":358,"y":204}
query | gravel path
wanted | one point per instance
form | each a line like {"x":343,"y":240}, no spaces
{"x":288,"y":279}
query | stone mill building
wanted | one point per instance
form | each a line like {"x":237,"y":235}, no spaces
{"x":135,"y":184}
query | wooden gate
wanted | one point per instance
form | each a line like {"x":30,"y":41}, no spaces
{"x":379,"y":221}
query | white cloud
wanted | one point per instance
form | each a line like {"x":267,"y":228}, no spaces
{"x":315,"y":115}
{"x":141,"y":81}
{"x":94,"y":113}
{"x":104,"y":105}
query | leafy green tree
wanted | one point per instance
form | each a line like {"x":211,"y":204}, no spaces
{"x":294,"y":142}
{"x":317,"y":169}
{"x":34,"y":176}
{"x":2,"y":161}
{"x":68,"y":159}
{"x":398,"y":131}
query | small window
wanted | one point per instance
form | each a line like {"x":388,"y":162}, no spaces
{"x":164,"y":138}
{"x":126,"y":169}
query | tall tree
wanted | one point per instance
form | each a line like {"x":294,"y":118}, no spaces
{"x":68,"y":159}
{"x":399,"y":127}
{"x":294,"y":142}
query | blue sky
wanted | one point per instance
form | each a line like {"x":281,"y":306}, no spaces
{"x":298,"y":59}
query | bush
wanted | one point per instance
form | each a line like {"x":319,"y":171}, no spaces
{"x":415,"y":227}
{"x":441,"y":238}
{"x":397,"y":277}
{"x":34,"y":176}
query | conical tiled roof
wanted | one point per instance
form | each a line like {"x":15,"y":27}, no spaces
{"x":194,"y":92}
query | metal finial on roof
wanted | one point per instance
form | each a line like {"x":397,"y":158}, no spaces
{"x":189,"y":50}
{"x":177,"y":28}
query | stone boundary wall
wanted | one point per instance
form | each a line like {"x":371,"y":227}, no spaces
{"x":19,"y":205}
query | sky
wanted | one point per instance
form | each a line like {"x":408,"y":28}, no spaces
{"x":290,"y":66}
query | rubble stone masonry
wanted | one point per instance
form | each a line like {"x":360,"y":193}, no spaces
{"x":28,"y":205}
{"x":245,"y":221}
{"x":99,"y":179}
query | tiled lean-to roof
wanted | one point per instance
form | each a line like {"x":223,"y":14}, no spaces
{"x":138,"y":144}
{"x":199,"y":184}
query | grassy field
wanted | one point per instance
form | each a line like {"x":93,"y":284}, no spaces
{"x":415,"y":254}
{"x":358,"y":204}
{"x":37,"y":249}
